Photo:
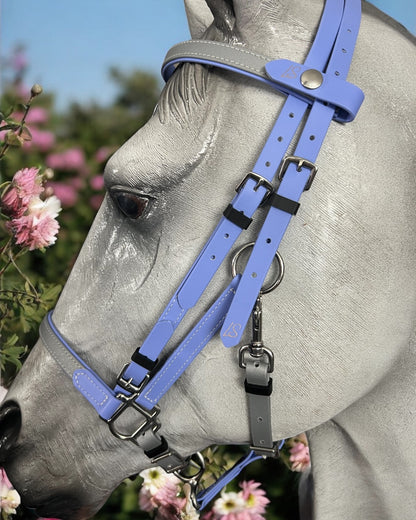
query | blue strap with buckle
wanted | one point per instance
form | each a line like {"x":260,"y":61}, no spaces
{"x":251,"y":194}
{"x":295,"y":176}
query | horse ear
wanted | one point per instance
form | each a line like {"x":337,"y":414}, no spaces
{"x":201,"y":14}
{"x":199,"y":17}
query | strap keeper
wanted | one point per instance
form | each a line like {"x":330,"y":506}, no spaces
{"x":283,"y":203}
{"x":237,"y":217}
{"x":144,"y":361}
{"x":259,"y":389}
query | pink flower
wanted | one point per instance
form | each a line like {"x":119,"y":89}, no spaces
{"x":97,"y":182}
{"x":76,"y":182}
{"x":36,"y":115}
{"x":102,"y":154}
{"x":160,"y":491}
{"x":72,"y":159}
{"x":66,"y":193}
{"x":43,"y":140}
{"x":11,"y":203}
{"x":249,"y":504}
{"x":95,"y":201}
{"x":9,"y":497}
{"x":39,"y":227}
{"x":256,"y":500}
{"x":25,"y":185}
{"x":299,"y":457}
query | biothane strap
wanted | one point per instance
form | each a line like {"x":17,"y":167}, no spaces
{"x":255,"y":186}
{"x":345,"y":97}
{"x":294,"y":179}
{"x":104,"y":399}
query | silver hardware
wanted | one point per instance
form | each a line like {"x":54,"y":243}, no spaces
{"x":301,"y":162}
{"x":127,"y":384}
{"x":256,"y":348}
{"x":261,"y":181}
{"x":267,"y":452}
{"x":279,"y":277}
{"x":311,"y":79}
{"x":128,"y":401}
{"x":196,"y":461}
{"x":149,"y":417}
{"x":175,"y":462}
{"x":257,"y":354}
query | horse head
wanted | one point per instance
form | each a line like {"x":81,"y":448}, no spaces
{"x":340,"y":324}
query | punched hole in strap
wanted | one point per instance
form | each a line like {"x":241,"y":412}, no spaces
{"x":237,"y":217}
{"x":283,"y":203}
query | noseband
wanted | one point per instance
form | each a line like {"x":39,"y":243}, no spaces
{"x":317,"y":93}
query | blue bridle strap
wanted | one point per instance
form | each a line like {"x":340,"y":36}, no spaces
{"x":257,"y":185}
{"x":319,"y":84}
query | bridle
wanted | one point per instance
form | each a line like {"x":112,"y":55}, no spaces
{"x":317,"y":92}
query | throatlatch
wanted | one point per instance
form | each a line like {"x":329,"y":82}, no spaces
{"x":316,"y":89}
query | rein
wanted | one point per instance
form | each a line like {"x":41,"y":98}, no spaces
{"x":316,"y":89}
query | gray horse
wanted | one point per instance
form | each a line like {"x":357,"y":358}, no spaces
{"x":341,"y":324}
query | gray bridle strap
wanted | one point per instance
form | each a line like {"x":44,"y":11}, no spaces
{"x":220,"y":54}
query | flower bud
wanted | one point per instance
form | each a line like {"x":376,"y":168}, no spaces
{"x":48,"y":173}
{"x":36,"y":90}
{"x":13,"y":139}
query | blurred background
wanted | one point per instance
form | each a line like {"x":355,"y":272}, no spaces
{"x":98,"y":62}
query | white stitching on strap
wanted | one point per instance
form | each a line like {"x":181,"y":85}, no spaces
{"x":84,"y":391}
{"x":164,"y":369}
{"x":210,"y":43}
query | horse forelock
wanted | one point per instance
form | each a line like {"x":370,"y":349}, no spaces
{"x":183,"y":92}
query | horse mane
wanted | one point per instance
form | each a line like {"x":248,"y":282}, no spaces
{"x":185,"y":90}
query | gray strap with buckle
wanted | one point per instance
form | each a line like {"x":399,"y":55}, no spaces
{"x":258,"y":362}
{"x":258,"y":388}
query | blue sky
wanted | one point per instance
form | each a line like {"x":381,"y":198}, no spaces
{"x":70,"y":44}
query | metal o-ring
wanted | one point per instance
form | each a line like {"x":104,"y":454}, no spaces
{"x":279,"y":277}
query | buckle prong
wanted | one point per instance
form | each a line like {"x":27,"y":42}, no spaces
{"x":301,"y":162}
{"x":260,"y":181}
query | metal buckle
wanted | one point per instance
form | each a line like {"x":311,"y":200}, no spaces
{"x":256,"y":352}
{"x":261,"y":181}
{"x":149,"y":416}
{"x":267,"y":452}
{"x":127,"y":384}
{"x":300,"y":161}
{"x":196,"y":461}
{"x":128,"y":401}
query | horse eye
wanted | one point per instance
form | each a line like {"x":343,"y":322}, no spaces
{"x":133,"y":206}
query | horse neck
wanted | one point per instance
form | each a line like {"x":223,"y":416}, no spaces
{"x":360,"y":456}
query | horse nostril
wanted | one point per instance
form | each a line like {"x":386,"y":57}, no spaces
{"x":10,"y":424}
